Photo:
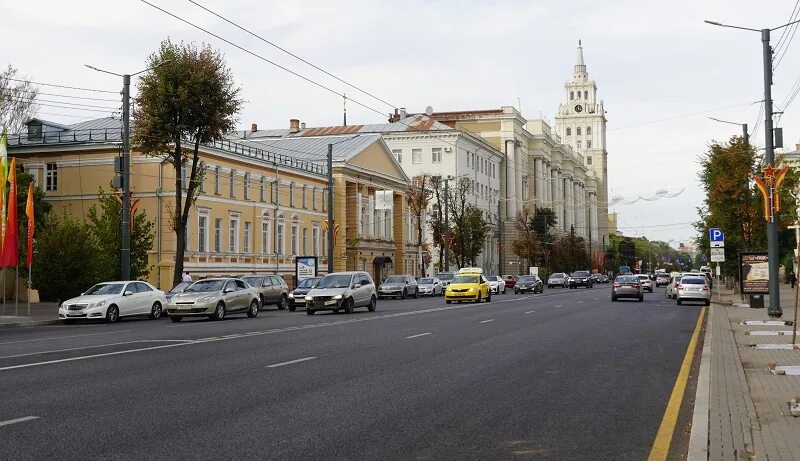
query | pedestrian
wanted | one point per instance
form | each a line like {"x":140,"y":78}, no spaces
{"x":792,"y":279}
{"x":186,"y":277}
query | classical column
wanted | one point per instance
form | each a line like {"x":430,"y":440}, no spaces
{"x":548,"y":197}
{"x":538,"y":177}
{"x":558,"y":200}
{"x":511,"y":182}
{"x":593,"y":215}
{"x":569,"y":203}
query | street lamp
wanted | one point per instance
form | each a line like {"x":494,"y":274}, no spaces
{"x":124,"y":167}
{"x":745,"y":135}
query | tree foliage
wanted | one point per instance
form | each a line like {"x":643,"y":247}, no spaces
{"x":190,"y":100}
{"x":569,"y":253}
{"x":469,"y":226}
{"x":17,"y":100}
{"x":418,"y":201}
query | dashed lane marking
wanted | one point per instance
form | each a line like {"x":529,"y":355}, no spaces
{"x":290,"y":362}
{"x":70,"y":349}
{"x":530,"y":312}
{"x":417,"y":336}
{"x":64,"y":337}
{"x":486,"y":321}
{"x":18,"y":420}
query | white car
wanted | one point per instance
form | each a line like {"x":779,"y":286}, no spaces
{"x":496,"y":284}
{"x":647,"y":284}
{"x":430,"y":286}
{"x":112,"y":300}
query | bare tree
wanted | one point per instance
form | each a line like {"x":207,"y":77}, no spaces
{"x":17,"y":100}
{"x":418,"y":201}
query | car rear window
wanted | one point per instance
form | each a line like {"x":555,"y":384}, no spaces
{"x":527,"y":278}
{"x":693,"y":281}
{"x":580,"y":274}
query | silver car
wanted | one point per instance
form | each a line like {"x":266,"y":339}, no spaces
{"x":627,"y":286}
{"x":400,"y":286}
{"x":272,"y":289}
{"x":215,"y":299}
{"x":694,"y":288}
{"x":647,"y":283}
{"x":429,"y":286}
{"x":342,"y":291}
{"x":559,"y":279}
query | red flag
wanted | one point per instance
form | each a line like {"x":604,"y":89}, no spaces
{"x":29,"y":213}
{"x":10,"y":255}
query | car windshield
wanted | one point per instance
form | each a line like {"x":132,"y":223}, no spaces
{"x":204,"y":286}
{"x":105,"y":289}
{"x":465,"y":279}
{"x":445,"y":276}
{"x":425,"y":281}
{"x":527,"y":278}
{"x":180,"y":287}
{"x":308,"y":283}
{"x":580,"y":274}
{"x":334,"y":281}
{"x":693,"y":281}
{"x":254,"y":281}
{"x":557,"y":275}
{"x":395,"y":279}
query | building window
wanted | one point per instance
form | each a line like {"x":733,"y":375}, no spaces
{"x":34,"y":132}
{"x":436,"y":155}
{"x":202,"y":233}
{"x":588,"y":143}
{"x":589,"y":160}
{"x":247,"y":231}
{"x":294,"y":238}
{"x":279,"y":236}
{"x":569,"y":131}
{"x":265,"y":237}
{"x":261,"y":189}
{"x":304,"y":197}
{"x":314,"y":198}
{"x":579,"y":95}
{"x":216,"y":180}
{"x":233,"y":182}
{"x":579,"y":144}
{"x":375,"y":219}
{"x":218,"y":235}
{"x":398,"y":154}
{"x":387,"y":224}
{"x":578,"y":131}
{"x":416,"y":155}
{"x":325,"y":246}
{"x":246,"y":186}
{"x":315,"y":240}
{"x":324,"y":199}
{"x":363,"y":223}
{"x":305,"y":240}
{"x":184,"y":176}
{"x":588,"y":130}
{"x":51,"y":176}
{"x":585,"y":95}
{"x":571,"y":95}
{"x":233,"y":241}
{"x":291,"y":194}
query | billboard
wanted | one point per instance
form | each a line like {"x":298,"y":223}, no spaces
{"x":754,"y":273}
{"x":305,"y":267}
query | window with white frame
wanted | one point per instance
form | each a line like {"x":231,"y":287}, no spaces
{"x":315,"y":239}
{"x":578,"y":144}
{"x":233,"y":234}
{"x":588,"y":143}
{"x":184,"y":176}
{"x":313,"y":198}
{"x":202,"y":231}
{"x":387,"y":224}
{"x":294,"y":236}
{"x":51,"y":177}
{"x":279,"y":234}
{"x":305,"y":241}
{"x":261,"y":189}
{"x":291,"y":194}
{"x":218,"y":235}
{"x":324,"y":249}
{"x":232,"y":178}
{"x":589,"y":159}
{"x":398,"y":154}
{"x":578,"y":131}
{"x":247,"y":235}
{"x":303,"y":203}
{"x":416,"y":155}
{"x":216,"y":180}
{"x":363,"y":223}
{"x":375,"y":219}
{"x":246,"y":186}
{"x":436,"y":155}
{"x":265,"y":235}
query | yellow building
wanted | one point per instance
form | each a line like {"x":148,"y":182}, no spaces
{"x":261,"y":202}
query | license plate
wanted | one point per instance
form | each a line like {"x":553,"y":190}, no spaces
{"x":184,"y":308}
{"x":74,"y":313}
{"x":330,"y":303}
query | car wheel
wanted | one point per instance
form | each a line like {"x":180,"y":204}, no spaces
{"x":403,"y":294}
{"x":447,"y":301}
{"x":175,"y":318}
{"x":488,"y":297}
{"x":679,"y":301}
{"x":416,"y":293}
{"x":261,"y":301}
{"x":309,"y":311}
{"x":516,"y":292}
{"x":155,"y":312}
{"x":219,"y":312}
{"x":708,"y":302}
{"x":641,"y":298}
{"x":112,"y":314}
{"x":253,"y":310}
{"x":292,"y":307}
{"x":373,"y":303}
{"x":282,"y":303}
{"x":349,"y":306}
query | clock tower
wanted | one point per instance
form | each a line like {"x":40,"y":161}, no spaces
{"x":581,"y":123}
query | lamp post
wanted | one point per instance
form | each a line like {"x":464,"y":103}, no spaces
{"x":124,"y":168}
{"x":769,"y":158}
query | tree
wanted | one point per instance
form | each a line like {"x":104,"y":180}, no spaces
{"x":437,"y":220}
{"x":104,"y":226}
{"x":569,"y":253}
{"x":418,"y":201}
{"x":469,"y":226}
{"x":528,"y":245}
{"x":192,"y":99}
{"x":17,"y":100}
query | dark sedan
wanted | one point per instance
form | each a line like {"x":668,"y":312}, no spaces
{"x":580,"y":279}
{"x":297,"y":297}
{"x":528,"y":284}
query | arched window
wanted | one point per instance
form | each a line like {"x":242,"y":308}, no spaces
{"x":571,"y":95}
{"x":279,"y":234}
{"x":363,"y":221}
{"x":579,"y":95}
{"x":588,"y":130}
{"x":585,"y":95}
{"x":266,"y":236}
{"x":569,"y":131}
{"x":578,"y":131}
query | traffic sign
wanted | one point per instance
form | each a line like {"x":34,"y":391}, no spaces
{"x":716,"y":237}
{"x":718,"y":255}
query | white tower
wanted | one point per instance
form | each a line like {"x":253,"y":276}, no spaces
{"x":581,"y":123}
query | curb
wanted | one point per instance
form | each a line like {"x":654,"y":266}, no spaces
{"x":29,"y":323}
{"x":698,"y":439}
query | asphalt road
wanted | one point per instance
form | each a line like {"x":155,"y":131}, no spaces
{"x":561,"y":375}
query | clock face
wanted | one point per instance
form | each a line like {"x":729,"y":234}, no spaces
{"x":578,"y":108}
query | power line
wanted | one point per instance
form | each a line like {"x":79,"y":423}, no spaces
{"x":62,"y":86}
{"x":61,"y":95}
{"x":784,"y":32}
{"x":66,"y":103}
{"x":292,"y":54}
{"x":693,"y":114}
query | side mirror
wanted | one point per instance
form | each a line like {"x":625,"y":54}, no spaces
{"x":357,"y":285}
{"x":127,"y":293}
{"x":227,"y":290}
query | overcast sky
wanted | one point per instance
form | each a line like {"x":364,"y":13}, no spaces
{"x":660,"y":70}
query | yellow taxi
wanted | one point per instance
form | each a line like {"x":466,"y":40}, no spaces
{"x":468,"y":285}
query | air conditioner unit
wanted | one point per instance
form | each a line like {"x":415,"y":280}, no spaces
{"x":448,"y":149}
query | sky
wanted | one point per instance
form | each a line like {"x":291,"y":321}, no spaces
{"x":660,"y":70}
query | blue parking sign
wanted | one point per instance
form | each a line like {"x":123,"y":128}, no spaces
{"x":716,"y":237}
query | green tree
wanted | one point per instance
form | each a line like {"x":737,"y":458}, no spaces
{"x":104,"y":227}
{"x":418,"y":201}
{"x":569,"y":253}
{"x":191,"y":99}
{"x":528,"y":245}
{"x":469,"y":226}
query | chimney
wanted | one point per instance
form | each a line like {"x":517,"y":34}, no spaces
{"x":403,"y":113}
{"x":303,"y":125}
{"x":253,"y":128}
{"x":294,"y":125}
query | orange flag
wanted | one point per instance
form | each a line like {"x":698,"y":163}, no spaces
{"x":10,"y":255}
{"x":29,"y":214}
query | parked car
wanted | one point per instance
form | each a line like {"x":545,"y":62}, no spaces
{"x":445,"y":278}
{"x":558,"y":279}
{"x":342,"y":291}
{"x":272,"y":290}
{"x":529,"y":284}
{"x":647,"y":284}
{"x":176,"y":289}
{"x":580,"y":279}
{"x":510,"y":280}
{"x":113,"y":300}
{"x":429,"y":286}
{"x":694,"y":288}
{"x":602,"y":278}
{"x":662,"y":278}
{"x":468,"y":285}
{"x":496,"y":284}
{"x":400,"y":286}
{"x":627,"y":286}
{"x":297,"y":297}
{"x":214,"y":298}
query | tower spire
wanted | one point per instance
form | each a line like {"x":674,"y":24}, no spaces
{"x":580,"y":67}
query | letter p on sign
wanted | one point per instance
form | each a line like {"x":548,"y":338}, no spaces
{"x":716,"y":237}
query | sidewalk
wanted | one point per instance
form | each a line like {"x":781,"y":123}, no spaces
{"x":41,"y":314}
{"x":748,"y":411}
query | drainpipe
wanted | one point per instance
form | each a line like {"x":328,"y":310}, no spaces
{"x":159,"y":199}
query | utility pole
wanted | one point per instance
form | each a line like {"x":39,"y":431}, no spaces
{"x":125,"y":247}
{"x":446,"y":225}
{"x":330,"y":208}
{"x":772,"y":226}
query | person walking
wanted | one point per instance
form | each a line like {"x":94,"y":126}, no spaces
{"x":186,"y":277}
{"x":792,"y":279}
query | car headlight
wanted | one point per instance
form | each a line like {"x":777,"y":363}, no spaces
{"x":309,"y":298}
{"x":98,"y":304}
{"x":205,"y":299}
{"x":291,"y":295}
{"x":337,"y":297}
{"x":471,"y":289}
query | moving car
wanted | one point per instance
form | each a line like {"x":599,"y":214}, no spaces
{"x":558,"y":279}
{"x":694,"y":288}
{"x":662,"y":278}
{"x":214,"y":298}
{"x":429,"y":286}
{"x":342,"y":291}
{"x":468,"y":285}
{"x":272,"y":289}
{"x":647,"y":284}
{"x":445,"y":278}
{"x":297,"y":297}
{"x":176,"y":289}
{"x":510,"y":280}
{"x":400,"y":286}
{"x":496,"y":284}
{"x":602,"y":278}
{"x":580,"y":279}
{"x":529,"y":284}
{"x":113,"y":300}
{"x":627,"y":286}
{"x":674,"y":280}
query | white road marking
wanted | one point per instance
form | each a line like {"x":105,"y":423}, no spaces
{"x":580,"y":302}
{"x":417,"y":336}
{"x":560,"y":305}
{"x":18,"y":420}
{"x":486,"y":321}
{"x":530,"y":312}
{"x":63,"y":337}
{"x":597,"y":299}
{"x":54,"y":351}
{"x":305,"y":359}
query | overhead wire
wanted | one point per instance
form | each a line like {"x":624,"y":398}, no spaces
{"x":61,"y":95}
{"x":782,"y":42}
{"x":61,"y":86}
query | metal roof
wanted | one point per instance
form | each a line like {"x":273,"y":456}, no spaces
{"x":101,"y":130}
{"x":414,"y":123}
{"x":315,"y":149}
